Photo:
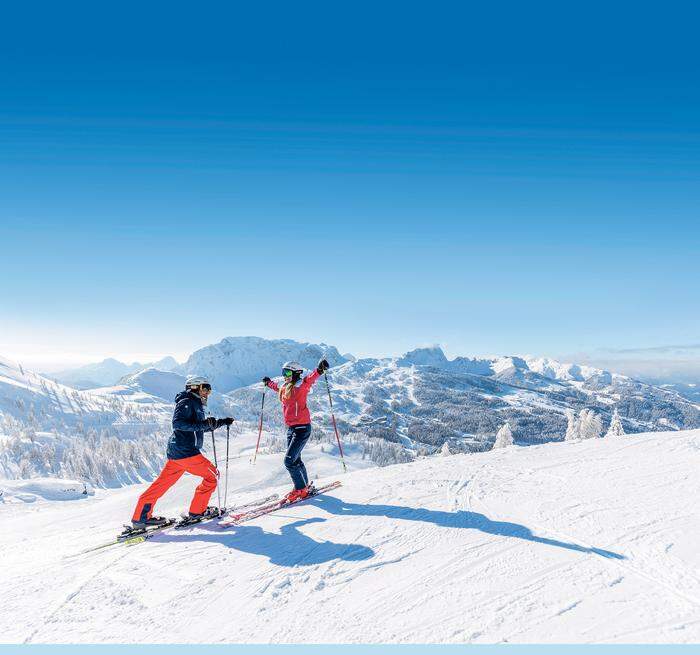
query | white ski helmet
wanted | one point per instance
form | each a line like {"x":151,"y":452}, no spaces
{"x":196,"y":381}
{"x":295,"y":367}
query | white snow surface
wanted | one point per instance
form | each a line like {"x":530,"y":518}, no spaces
{"x":577,"y":542}
{"x":38,"y":489}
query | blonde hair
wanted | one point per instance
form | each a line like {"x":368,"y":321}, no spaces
{"x":286,"y":389}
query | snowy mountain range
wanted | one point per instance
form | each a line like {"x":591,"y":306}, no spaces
{"x":389,"y":409}
{"x":421,"y":400}
{"x":232,"y":363}
{"x":235,"y":362}
{"x":106,"y":372}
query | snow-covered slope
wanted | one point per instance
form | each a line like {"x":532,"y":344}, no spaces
{"x":47,"y":428}
{"x":577,"y":542}
{"x":46,"y":404}
{"x":38,"y":489}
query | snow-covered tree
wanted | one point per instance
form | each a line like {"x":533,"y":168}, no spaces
{"x":504,"y":437}
{"x":589,"y":425}
{"x":572,"y":426}
{"x":615,"y":429}
{"x":445,"y":450}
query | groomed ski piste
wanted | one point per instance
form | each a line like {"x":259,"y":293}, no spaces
{"x":578,"y":542}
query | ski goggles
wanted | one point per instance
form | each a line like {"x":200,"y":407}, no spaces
{"x":287,"y":372}
{"x":207,"y":387}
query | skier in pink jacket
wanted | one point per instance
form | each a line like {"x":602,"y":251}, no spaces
{"x":293,"y":393}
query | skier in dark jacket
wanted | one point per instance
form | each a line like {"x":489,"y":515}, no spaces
{"x":293,"y":393}
{"x":184,"y":456}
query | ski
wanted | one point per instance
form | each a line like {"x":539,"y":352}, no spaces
{"x":186,"y":521}
{"x":131,"y":536}
{"x":241,"y":517}
{"x":254,"y":503}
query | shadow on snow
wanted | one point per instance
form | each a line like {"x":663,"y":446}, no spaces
{"x":291,"y":547}
{"x":460,"y":519}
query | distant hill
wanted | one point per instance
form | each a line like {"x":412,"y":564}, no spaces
{"x":106,"y":372}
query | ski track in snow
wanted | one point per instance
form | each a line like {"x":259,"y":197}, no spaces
{"x":581,"y":542}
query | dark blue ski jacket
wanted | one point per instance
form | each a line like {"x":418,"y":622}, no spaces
{"x":189,"y":424}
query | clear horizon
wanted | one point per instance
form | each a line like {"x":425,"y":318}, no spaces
{"x":677,"y":363}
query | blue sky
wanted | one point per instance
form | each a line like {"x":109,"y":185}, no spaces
{"x":519,"y":179}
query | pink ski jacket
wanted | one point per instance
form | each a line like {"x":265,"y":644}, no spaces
{"x":294,"y":408}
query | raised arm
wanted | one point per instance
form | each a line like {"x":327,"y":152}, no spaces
{"x":322,"y":367}
{"x":310,"y":379}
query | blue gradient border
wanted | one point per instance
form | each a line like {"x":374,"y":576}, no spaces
{"x":349,"y":649}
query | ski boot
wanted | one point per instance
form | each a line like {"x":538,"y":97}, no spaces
{"x":299,"y":494}
{"x":191,"y":518}
{"x":151,"y":521}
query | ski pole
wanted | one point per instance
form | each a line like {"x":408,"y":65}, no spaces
{"x":228,"y":437}
{"x":335,"y":427}
{"x":216,"y":466}
{"x":262,"y":408}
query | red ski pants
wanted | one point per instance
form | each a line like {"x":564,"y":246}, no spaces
{"x":174,"y":469}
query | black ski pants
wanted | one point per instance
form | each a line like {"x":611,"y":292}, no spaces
{"x":297,"y":436}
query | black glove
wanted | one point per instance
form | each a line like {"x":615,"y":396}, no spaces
{"x":266,"y":380}
{"x":212,"y":422}
{"x":323,"y":366}
{"x":224,"y":421}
